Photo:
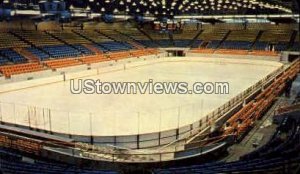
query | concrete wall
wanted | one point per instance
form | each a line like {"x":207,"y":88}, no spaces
{"x":30,"y":83}
{"x":269,"y":58}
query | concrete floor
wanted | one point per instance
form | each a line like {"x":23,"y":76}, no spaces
{"x":55,"y":106}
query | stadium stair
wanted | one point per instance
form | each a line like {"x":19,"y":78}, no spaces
{"x":224,"y":39}
{"x":96,"y":45}
{"x":195,"y":42}
{"x":80,"y":48}
{"x":256,"y":39}
{"x":27,"y":54}
{"x":292,"y":40}
{"x":149,"y":42}
{"x":93,"y":48}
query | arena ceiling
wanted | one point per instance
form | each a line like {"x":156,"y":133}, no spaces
{"x":161,"y":8}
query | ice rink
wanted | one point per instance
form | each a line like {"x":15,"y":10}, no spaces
{"x":54,"y":107}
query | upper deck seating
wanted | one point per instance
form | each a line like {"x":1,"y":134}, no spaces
{"x":38,"y":38}
{"x":8,"y":40}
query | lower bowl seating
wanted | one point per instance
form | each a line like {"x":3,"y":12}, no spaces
{"x":13,"y":56}
{"x":61,"y":51}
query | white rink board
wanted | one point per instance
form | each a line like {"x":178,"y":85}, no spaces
{"x":107,"y":115}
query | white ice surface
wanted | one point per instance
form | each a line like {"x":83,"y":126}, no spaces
{"x":101,"y":114}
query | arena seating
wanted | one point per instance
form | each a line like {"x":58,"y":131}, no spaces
{"x":84,"y":50}
{"x":138,"y":36}
{"x":185,"y":38}
{"x":119,"y":55}
{"x":37,"y":38}
{"x":72,"y":39}
{"x":13,"y":163}
{"x":142,"y":52}
{"x":162,"y":39}
{"x":8,"y":40}
{"x":20,"y":68}
{"x":61,"y":63}
{"x":69,"y":37}
{"x":13,"y":56}
{"x":243,"y":45}
{"x":279,"y":37}
{"x":296,"y":46}
{"x":115,"y":46}
{"x":212,"y":37}
{"x":122,"y":38}
{"x":104,"y":43}
{"x":94,"y":59}
{"x":61,"y":51}
{"x":213,"y":44}
{"x":261,"y":46}
{"x":279,"y":155}
{"x":39,"y":53}
{"x":220,"y":39}
{"x":3,"y":60}
{"x":240,"y":39}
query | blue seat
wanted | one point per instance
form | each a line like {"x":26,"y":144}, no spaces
{"x":40,"y":54}
{"x":296,"y":47}
{"x":61,"y":51}
{"x":213,"y":44}
{"x":148,"y":43}
{"x":83,"y":49}
{"x":260,"y":46}
{"x":3,"y":60}
{"x":115,"y":46}
{"x":238,"y":45}
{"x":13,"y":56}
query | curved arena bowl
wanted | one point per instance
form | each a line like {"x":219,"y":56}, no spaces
{"x":143,"y":120}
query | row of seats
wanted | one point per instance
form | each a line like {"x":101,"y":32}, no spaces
{"x":296,"y":46}
{"x":83,"y":49}
{"x":13,"y":56}
{"x":138,"y":36}
{"x":8,"y":40}
{"x":94,"y":59}
{"x":39,"y":53}
{"x":60,"y":51}
{"x":119,"y":55}
{"x":20,"y":69}
{"x":54,"y":64}
{"x":239,"y":45}
{"x":3,"y":60}
{"x":37,"y":38}
{"x":115,"y":46}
